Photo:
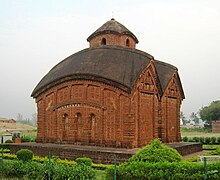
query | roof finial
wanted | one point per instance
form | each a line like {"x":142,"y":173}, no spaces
{"x":112,"y":16}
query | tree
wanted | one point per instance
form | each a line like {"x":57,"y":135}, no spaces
{"x":19,"y":117}
{"x":183,"y":117}
{"x":194,"y":117}
{"x":34,"y":119}
{"x":210,"y":113}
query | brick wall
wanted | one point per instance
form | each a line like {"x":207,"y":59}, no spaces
{"x":216,"y":126}
{"x":112,"y":39}
{"x":91,"y":113}
{"x":97,"y":154}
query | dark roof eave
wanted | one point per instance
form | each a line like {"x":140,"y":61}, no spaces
{"x":89,"y":77}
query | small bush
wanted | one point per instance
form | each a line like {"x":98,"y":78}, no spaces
{"x":191,"y":140}
{"x":9,"y":141}
{"x":202,"y":140}
{"x":25,"y":139}
{"x":86,"y":161}
{"x":218,"y":140}
{"x":213,"y":140}
{"x":207,"y":140}
{"x":185,"y":139}
{"x":156,"y":152}
{"x":196,"y":139}
{"x":25,"y":155}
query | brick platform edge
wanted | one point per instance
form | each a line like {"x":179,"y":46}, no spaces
{"x":99,"y":155}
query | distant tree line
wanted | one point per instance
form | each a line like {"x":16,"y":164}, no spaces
{"x":207,"y":114}
{"x":28,"y":121}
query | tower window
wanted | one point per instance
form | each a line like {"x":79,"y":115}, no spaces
{"x":127,"y":43}
{"x":103,"y":41}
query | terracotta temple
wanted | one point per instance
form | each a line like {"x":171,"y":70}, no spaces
{"x":109,"y":94}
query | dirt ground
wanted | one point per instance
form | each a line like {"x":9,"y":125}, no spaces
{"x":195,"y":154}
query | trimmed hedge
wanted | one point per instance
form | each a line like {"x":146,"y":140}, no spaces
{"x":163,"y":170}
{"x":33,"y":170}
{"x":203,"y":140}
{"x":58,"y":161}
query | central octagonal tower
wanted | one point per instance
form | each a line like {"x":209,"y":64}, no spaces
{"x":110,"y":94}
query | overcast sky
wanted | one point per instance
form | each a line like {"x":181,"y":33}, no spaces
{"x":37,"y":34}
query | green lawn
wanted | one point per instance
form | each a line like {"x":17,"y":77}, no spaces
{"x":198,"y":133}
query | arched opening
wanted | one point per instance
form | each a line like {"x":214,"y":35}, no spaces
{"x":65,"y":118}
{"x":103,"y":42}
{"x":92,"y":117}
{"x":92,"y":124}
{"x":78,"y":116}
{"x":78,"y":127}
{"x":65,"y":121}
{"x":127,"y":43}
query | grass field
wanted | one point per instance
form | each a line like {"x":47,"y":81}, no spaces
{"x":198,"y":133}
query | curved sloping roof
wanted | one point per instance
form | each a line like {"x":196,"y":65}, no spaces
{"x":165,"y":72}
{"x":114,"y":65}
{"x":114,"y":27}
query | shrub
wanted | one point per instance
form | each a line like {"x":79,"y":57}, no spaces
{"x":156,"y":152}
{"x":5,"y":146}
{"x":202,"y":140}
{"x":218,"y":140}
{"x":65,"y":171}
{"x":210,"y":147}
{"x":8,"y":141}
{"x":32,"y":169}
{"x":86,"y":161}
{"x":215,"y":152}
{"x":191,"y":140}
{"x":196,"y":139}
{"x":161,"y":170}
{"x":25,"y":139}
{"x":100,"y":166}
{"x":9,"y":156}
{"x":4,"y":150}
{"x":207,"y":140}
{"x":25,"y":155}
{"x":213,"y":140}
{"x":12,"y":169}
{"x":185,"y":139}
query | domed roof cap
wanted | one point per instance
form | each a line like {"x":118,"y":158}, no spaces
{"x":114,"y":27}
